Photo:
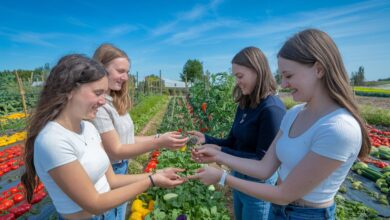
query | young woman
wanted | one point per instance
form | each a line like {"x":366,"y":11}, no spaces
{"x":113,"y":121}
{"x":66,"y":152}
{"x":256,"y":124}
{"x":318,"y":141}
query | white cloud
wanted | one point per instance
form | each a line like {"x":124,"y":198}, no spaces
{"x":195,"y":13}
{"x":120,"y":30}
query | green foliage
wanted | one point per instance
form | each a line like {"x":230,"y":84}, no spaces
{"x":217,"y":94}
{"x":289,"y":102}
{"x":357,"y":78}
{"x":347,"y":209}
{"x":192,"y":70}
{"x":194,"y":199}
{"x":146,"y":109}
{"x":372,"y":115}
{"x":367,"y":91}
{"x":12,"y":125}
{"x":375,"y":116}
{"x":10,"y":99}
{"x":278,"y":77}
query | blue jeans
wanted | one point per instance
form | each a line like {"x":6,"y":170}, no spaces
{"x":280,"y":212}
{"x":121,"y":168}
{"x":109,"y":215}
{"x":247,"y":207}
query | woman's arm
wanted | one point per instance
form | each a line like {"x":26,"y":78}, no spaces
{"x":118,"y":180}
{"x":308,"y":174}
{"x":74,"y":181}
{"x":262,"y":169}
{"x":118,"y":151}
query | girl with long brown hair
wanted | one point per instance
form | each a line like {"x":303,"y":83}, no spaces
{"x":255,"y":125}
{"x":65,"y":151}
{"x":113,"y":121}
{"x":318,"y":140}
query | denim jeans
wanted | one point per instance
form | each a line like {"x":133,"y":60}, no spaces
{"x":247,"y":207}
{"x":292,"y":212}
{"x":121,"y":168}
{"x":109,"y":215}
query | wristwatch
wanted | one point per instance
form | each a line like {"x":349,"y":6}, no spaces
{"x":223,"y":178}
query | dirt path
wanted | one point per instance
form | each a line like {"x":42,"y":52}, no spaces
{"x":154,"y":123}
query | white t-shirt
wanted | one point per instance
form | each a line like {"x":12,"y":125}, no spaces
{"x":108,"y":119}
{"x":336,"y":135}
{"x":56,"y":146}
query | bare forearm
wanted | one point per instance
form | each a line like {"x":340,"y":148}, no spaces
{"x":127,"y":151}
{"x":273,"y":194}
{"x":250,"y":167}
{"x":115,"y":197}
{"x":123,"y":180}
{"x":143,"y":138}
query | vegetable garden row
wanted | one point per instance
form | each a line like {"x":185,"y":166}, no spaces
{"x":208,"y":108}
{"x":363,"y":195}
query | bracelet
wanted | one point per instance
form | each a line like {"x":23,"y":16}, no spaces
{"x":223,"y":178}
{"x":151,"y":180}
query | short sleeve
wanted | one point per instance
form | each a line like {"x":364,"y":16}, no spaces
{"x":339,"y":139}
{"x":103,"y":121}
{"x":51,"y":153}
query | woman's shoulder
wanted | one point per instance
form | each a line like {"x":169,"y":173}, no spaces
{"x":271,"y":102}
{"x":51,"y":134}
{"x":341,"y":119}
{"x":339,"y":124}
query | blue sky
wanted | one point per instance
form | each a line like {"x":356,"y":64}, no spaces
{"x":163,"y":35}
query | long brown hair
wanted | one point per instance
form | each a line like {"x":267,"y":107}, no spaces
{"x":310,"y":46}
{"x":104,"y":54}
{"x":253,"y":58}
{"x":70,"y":72}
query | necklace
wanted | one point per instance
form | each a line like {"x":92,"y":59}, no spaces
{"x":76,"y":134}
{"x":85,"y":140}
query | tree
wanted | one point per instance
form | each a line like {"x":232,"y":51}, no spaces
{"x":192,"y":70}
{"x":357,"y":78}
{"x":278,"y":77}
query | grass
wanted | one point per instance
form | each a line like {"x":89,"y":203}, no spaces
{"x":146,"y":109}
{"x":375,"y":116}
{"x":372,"y":115}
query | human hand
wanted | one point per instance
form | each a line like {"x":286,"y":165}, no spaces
{"x":172,"y":140}
{"x":207,"y":153}
{"x":207,"y":175}
{"x":201,"y":137}
{"x":168,"y":177}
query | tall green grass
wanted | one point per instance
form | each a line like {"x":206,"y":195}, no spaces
{"x":146,"y":109}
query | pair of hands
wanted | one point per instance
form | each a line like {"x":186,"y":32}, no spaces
{"x":174,"y":140}
{"x":168,"y":177}
{"x":207,"y":153}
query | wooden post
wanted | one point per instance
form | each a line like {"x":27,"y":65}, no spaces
{"x":31,"y":77}
{"x":22,"y":92}
{"x":160,"y":84}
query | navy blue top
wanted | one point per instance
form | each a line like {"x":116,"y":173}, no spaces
{"x":253,"y":129}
